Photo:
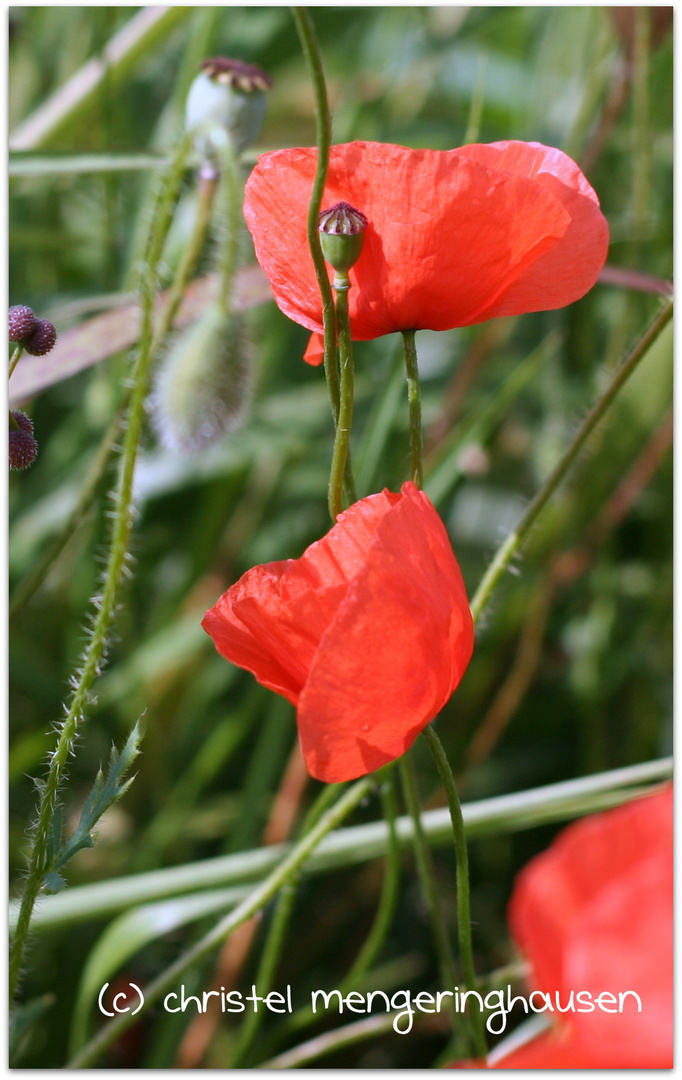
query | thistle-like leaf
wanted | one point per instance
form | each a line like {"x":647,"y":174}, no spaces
{"x":106,"y":790}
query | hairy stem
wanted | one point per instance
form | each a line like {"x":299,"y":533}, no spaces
{"x":415,"y":403}
{"x":345,"y":416}
{"x":95,"y":653}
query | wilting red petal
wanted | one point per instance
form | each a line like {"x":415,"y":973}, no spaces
{"x":369,"y":632}
{"x":454,"y":237}
{"x":594,"y":913}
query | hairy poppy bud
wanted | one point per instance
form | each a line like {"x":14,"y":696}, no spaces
{"x":202,"y":386}
{"x":226,"y":103}
{"x":42,"y":339}
{"x":23,"y":448}
{"x":342,"y":234}
{"x":22,"y":322}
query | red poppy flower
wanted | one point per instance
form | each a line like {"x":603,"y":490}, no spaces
{"x":594,"y":913}
{"x":367,"y":634}
{"x":454,"y":237}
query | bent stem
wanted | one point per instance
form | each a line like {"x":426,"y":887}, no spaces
{"x":389,"y":892}
{"x":313,"y":57}
{"x":426,"y":876}
{"x":14,"y":359}
{"x":245,"y":910}
{"x":466,"y":952}
{"x":384,"y":913}
{"x":516,"y":538}
{"x":415,"y":403}
{"x":115,"y":571}
{"x":276,"y":934}
{"x":345,"y":416}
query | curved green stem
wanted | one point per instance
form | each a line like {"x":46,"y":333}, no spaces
{"x":415,"y":403}
{"x":114,"y":574}
{"x":313,"y":56}
{"x":276,"y":934}
{"x":516,"y":538}
{"x":97,"y":474}
{"x":248,"y":907}
{"x":426,"y":877}
{"x":14,"y":359}
{"x":389,"y":893}
{"x":232,"y":194}
{"x":205,"y":196}
{"x":384,"y":914}
{"x":345,"y":416}
{"x":466,"y":952}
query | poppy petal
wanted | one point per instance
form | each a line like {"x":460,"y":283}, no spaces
{"x":594,"y":913}
{"x":314,"y":353}
{"x":270,"y":622}
{"x":454,"y":237}
{"x":569,"y":269}
{"x":396,"y":649}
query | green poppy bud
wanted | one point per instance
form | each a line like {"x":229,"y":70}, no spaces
{"x":342,"y":234}
{"x":202,"y":387}
{"x":226,"y":104}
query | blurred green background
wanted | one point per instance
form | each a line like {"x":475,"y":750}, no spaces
{"x":572,"y":671}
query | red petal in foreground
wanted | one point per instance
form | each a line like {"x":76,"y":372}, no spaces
{"x":454,"y":237}
{"x":368,"y":633}
{"x":594,"y":913}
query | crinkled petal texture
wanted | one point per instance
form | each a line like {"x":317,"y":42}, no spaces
{"x":368,"y":633}
{"x":595,"y":913}
{"x":454,"y":237}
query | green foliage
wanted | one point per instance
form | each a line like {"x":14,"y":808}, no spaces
{"x":571,"y":673}
{"x":105,"y":792}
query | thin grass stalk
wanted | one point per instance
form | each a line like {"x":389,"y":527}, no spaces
{"x":515,"y":540}
{"x":466,"y":952}
{"x":427,"y":879}
{"x":384,"y":913}
{"x":73,"y":98}
{"x":253,"y":903}
{"x":274,"y":942}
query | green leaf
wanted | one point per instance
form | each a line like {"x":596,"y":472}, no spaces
{"x":129,"y":933}
{"x":105,"y":791}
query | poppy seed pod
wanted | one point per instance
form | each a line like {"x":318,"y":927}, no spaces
{"x":342,"y":233}
{"x":202,"y":386}
{"x":226,"y":105}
